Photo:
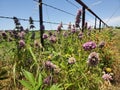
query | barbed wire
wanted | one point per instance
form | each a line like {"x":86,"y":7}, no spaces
{"x":55,"y":8}
{"x":5,"y":17}
{"x":72,"y":4}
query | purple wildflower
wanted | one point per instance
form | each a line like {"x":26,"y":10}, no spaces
{"x":53,"y":39}
{"x":107,"y":77}
{"x":80,"y":35}
{"x":45,"y":36}
{"x":21,"y":28}
{"x":21,"y":43}
{"x":77,"y":21}
{"x":59,"y":27}
{"x":89,"y":45}
{"x":50,"y":65}
{"x":47,"y":80}
{"x":4,"y":35}
{"x":32,"y":26}
{"x":93,"y":59}
{"x":21,"y":34}
{"x":73,"y":30}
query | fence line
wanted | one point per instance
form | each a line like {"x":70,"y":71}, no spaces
{"x":72,"y":4}
{"x":41,"y":20}
{"x":5,"y":17}
{"x":85,"y":7}
{"x":55,"y":8}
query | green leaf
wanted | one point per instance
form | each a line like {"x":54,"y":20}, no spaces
{"x":39,"y":79}
{"x":55,"y":87}
{"x":34,"y":58}
{"x":39,"y":83}
{"x":29,"y":76}
{"x":26,"y":84}
{"x":68,"y":85}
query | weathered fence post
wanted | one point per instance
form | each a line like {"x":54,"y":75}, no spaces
{"x":41,"y":22}
{"x":95,"y":23}
{"x":99,"y":25}
{"x":83,"y":18}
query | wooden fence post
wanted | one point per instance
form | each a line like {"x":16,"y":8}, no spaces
{"x":83,"y":18}
{"x":99,"y":25}
{"x":95,"y":23}
{"x":41,"y":22}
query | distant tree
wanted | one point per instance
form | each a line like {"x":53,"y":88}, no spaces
{"x":117,"y":27}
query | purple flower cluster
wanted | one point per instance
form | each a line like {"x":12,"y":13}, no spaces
{"x":52,"y":39}
{"x":89,"y":45}
{"x":4,"y":35}
{"x":59,"y":27}
{"x":77,"y":21}
{"x":73,"y":30}
{"x":17,"y":23}
{"x":47,"y":80}
{"x":21,"y":35}
{"x":31,"y":23}
{"x":21,"y":43}
{"x":80,"y":35}
{"x":45,"y":36}
{"x":93,"y":59}
{"x":49,"y":64}
{"x":107,"y":77}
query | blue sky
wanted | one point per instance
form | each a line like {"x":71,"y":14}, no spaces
{"x":26,"y":8}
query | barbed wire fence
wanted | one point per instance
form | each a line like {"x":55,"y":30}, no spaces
{"x":86,"y":11}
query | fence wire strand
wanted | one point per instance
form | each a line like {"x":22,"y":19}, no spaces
{"x":5,"y":17}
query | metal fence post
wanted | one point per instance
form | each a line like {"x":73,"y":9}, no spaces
{"x":83,"y":18}
{"x":99,"y":25}
{"x":41,"y":22}
{"x":95,"y":23}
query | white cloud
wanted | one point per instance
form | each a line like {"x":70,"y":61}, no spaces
{"x":114,"y":21}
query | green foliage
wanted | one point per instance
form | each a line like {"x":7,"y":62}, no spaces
{"x":31,"y":83}
{"x":32,"y":58}
{"x":55,"y":87}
